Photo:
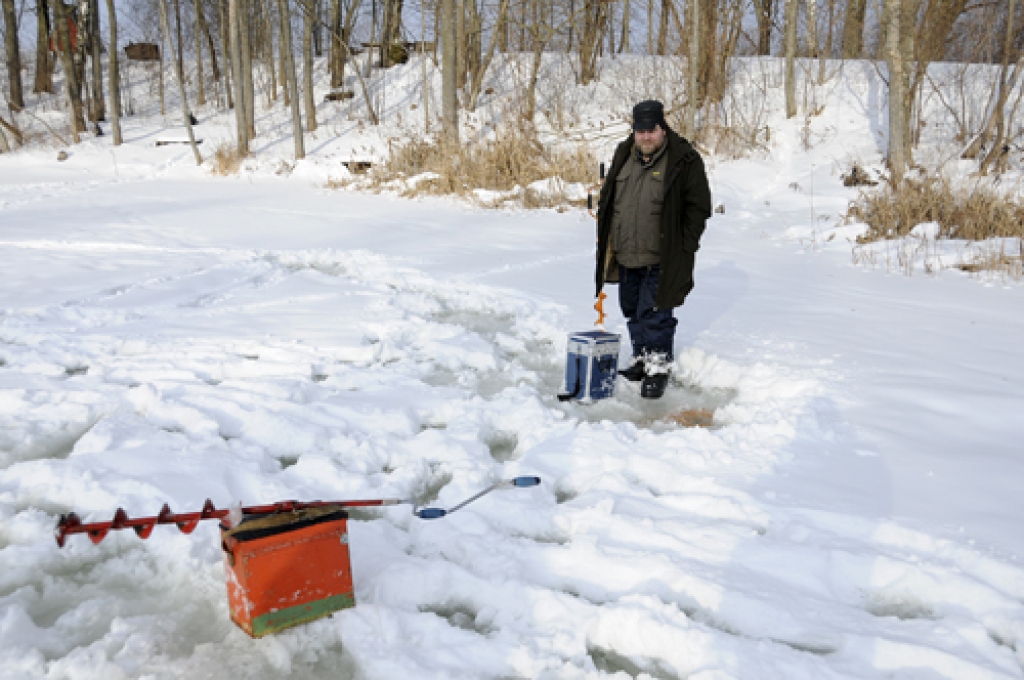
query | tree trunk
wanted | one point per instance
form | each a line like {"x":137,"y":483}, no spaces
{"x":474,"y":40}
{"x":235,"y":28}
{"x":179,"y":50}
{"x":180,"y":76}
{"x":15,"y":96}
{"x":897,"y":114}
{"x":853,"y":29}
{"x":245,"y":48}
{"x":449,"y":77}
{"x":624,"y":39}
{"x":290,"y":80}
{"x":226,"y":43}
{"x":763,"y":9}
{"x":336,"y":58}
{"x":812,"y":28}
{"x":198,"y":35}
{"x":307,"y":70}
{"x":590,"y":40}
{"x":317,"y":21}
{"x":692,"y":68}
{"x":663,"y":27}
{"x":44,"y":64}
{"x":460,"y":42}
{"x":98,"y":108}
{"x":478,"y":76}
{"x":71,"y":86}
{"x":995,"y":127}
{"x":115,"y":76}
{"x":791,"y":45}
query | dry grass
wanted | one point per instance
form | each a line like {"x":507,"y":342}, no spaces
{"x":226,"y":160}
{"x":973,"y":213}
{"x":512,"y":157}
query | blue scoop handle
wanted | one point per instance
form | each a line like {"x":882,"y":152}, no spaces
{"x":526,"y":481}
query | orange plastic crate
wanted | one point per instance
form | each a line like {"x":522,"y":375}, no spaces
{"x":287,"y":568}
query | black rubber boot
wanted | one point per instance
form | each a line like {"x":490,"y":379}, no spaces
{"x":636,"y":372}
{"x":653,"y":386}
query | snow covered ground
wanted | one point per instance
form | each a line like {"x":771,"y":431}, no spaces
{"x":169,"y":336}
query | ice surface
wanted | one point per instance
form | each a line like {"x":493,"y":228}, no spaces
{"x":167,"y":336}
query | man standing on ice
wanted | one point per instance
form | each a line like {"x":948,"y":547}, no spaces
{"x":650,"y":217}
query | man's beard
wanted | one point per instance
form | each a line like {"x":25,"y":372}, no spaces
{"x":648,"y":149}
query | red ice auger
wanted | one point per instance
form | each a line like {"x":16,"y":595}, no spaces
{"x":287,"y":563}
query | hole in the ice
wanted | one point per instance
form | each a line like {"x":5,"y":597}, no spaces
{"x":565,"y":495}
{"x":3,"y":362}
{"x":684,"y":405}
{"x":551,"y":538}
{"x":433,"y":426}
{"x":174,"y":429}
{"x":903,"y":607}
{"x":287,"y":461}
{"x":211,"y":381}
{"x":250,"y":357}
{"x":431,"y":486}
{"x":1000,"y":639}
{"x":610,"y":661}
{"x":487,"y":325}
{"x":77,"y":369}
{"x":502,"y":445}
{"x":387,"y":468}
{"x":459,"y":615}
{"x":319,"y":377}
{"x":820,"y":649}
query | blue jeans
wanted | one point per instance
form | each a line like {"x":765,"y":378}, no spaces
{"x":651,"y":330}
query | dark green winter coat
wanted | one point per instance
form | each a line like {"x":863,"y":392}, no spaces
{"x":686,"y":207}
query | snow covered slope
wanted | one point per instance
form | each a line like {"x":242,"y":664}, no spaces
{"x":167,"y":336}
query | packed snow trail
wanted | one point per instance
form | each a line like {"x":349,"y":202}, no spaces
{"x":252,"y":342}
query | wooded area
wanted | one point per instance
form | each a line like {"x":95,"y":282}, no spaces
{"x":224,"y":51}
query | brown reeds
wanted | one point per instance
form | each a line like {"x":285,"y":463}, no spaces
{"x":226,"y":160}
{"x":512,"y":157}
{"x":976,"y":212}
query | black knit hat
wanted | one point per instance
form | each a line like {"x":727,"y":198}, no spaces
{"x":647,"y":114}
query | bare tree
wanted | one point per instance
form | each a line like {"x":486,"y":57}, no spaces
{"x":449,"y":77}
{"x":114,"y":77}
{"x":791,"y":45}
{"x":44,"y":64}
{"x":897,"y":103}
{"x":692,"y":68}
{"x":198,"y":35}
{"x":763,"y":12}
{"x":71,"y":83}
{"x":812,"y":28}
{"x":290,"y":81}
{"x":994,"y":133}
{"x":241,"y":115}
{"x":245,"y":59}
{"x":97,"y":107}
{"x":308,"y":17}
{"x":477,"y":76}
{"x":226,"y":42}
{"x":15,"y":96}
{"x":180,"y":77}
{"x":853,"y":29}
{"x":590,"y":40}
